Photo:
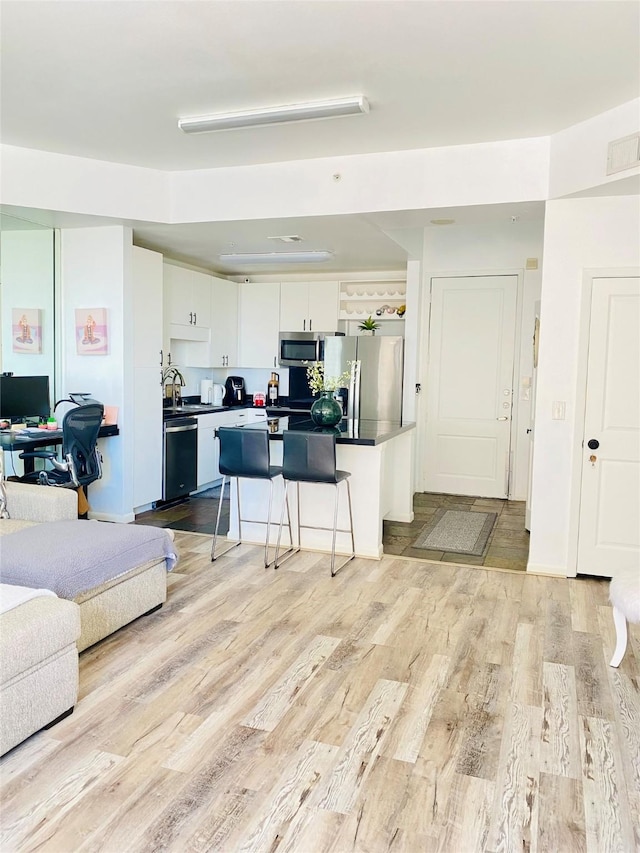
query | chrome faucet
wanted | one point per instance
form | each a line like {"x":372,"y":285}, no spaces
{"x":171,"y":375}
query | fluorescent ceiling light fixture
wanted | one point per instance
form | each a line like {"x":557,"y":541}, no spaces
{"x":276,"y":257}
{"x":276,"y":115}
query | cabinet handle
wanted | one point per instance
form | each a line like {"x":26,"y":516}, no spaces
{"x":310,"y":325}
{"x":304,"y":325}
{"x":195,"y":319}
{"x":191,"y":318}
{"x":161,"y":358}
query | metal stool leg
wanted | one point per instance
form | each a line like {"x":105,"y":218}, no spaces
{"x":215,"y":556}
{"x":292,"y":549}
{"x":266,"y":542}
{"x":335,"y":528}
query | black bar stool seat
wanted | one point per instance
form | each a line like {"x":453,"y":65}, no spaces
{"x":244,"y":454}
{"x":310,"y":457}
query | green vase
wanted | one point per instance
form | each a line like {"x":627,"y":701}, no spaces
{"x":326,"y":410}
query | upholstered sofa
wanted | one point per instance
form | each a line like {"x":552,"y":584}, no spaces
{"x":124,"y":595}
{"x":42,"y":631}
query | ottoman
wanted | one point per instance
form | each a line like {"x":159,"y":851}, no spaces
{"x":39,"y":662}
{"x":114,"y":572}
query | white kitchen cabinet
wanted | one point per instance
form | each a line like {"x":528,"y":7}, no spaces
{"x":259,"y":324}
{"x":146,"y":304}
{"x":187,"y":303}
{"x":309,"y":306}
{"x":224,"y":323}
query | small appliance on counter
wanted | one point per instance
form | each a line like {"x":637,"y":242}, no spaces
{"x":235,"y":393}
{"x":218,"y":395}
{"x":206,"y":392}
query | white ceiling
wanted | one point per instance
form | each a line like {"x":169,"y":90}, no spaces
{"x":108,"y":80}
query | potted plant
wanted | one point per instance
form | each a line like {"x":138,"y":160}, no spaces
{"x":369,"y":326}
{"x":326,"y":411}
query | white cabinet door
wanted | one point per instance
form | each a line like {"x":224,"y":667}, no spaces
{"x":147,"y":296}
{"x":259,"y":320}
{"x":323,"y":306}
{"x":208,"y":455}
{"x":147,"y":436}
{"x":146,"y":422}
{"x":294,"y":306}
{"x":309,"y":306}
{"x":187,"y":297}
{"x":224,"y":323}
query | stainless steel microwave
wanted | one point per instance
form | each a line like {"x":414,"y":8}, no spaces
{"x":297,"y":348}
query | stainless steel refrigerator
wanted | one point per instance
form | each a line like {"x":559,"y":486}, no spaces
{"x":375,"y":365}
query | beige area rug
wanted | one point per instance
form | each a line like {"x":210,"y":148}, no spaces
{"x":457,"y":531}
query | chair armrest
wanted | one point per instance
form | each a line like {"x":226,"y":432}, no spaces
{"x":40,"y":503}
{"x":37,"y":454}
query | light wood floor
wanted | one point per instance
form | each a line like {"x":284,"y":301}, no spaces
{"x":402,"y":706}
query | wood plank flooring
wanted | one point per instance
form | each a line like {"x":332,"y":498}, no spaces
{"x":400,"y":706}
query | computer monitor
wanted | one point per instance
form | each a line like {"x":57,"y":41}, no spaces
{"x":23,"y":397}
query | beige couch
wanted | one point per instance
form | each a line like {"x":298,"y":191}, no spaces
{"x":109,"y":606}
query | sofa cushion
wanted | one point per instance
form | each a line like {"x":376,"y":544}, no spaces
{"x":71,"y":557}
{"x":35,"y":631}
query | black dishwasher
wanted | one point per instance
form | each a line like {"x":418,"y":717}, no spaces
{"x":180,"y":472}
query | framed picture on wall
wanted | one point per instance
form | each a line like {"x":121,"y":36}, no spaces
{"x":92,"y":333}
{"x":26,"y":330}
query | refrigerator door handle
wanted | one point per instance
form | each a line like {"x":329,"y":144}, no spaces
{"x":353,"y":406}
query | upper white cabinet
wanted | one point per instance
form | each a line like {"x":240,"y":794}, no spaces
{"x":309,"y":306}
{"x":259,"y":324}
{"x":224,"y":323}
{"x":187,"y":303}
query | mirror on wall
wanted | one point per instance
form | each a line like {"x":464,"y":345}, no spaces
{"x":27,"y":299}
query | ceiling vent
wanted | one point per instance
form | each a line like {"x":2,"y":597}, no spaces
{"x":623,"y":154}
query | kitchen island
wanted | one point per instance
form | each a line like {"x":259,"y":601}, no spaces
{"x":379,"y":455}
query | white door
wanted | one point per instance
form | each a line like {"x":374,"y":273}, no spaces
{"x":609,"y":531}
{"x":469,"y":386}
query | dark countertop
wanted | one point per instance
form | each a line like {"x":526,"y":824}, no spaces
{"x":348,"y":431}
{"x":193,"y":410}
{"x":44,"y":438}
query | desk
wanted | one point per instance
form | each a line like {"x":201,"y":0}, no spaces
{"x":15,"y":442}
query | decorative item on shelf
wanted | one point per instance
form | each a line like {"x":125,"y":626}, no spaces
{"x":326,"y":411}
{"x":400,"y":310}
{"x":369,"y":326}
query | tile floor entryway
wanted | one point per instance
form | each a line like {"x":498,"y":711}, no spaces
{"x":507,"y":547}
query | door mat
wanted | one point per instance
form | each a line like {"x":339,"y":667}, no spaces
{"x":459,"y":531}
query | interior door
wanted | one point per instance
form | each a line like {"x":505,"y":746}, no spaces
{"x":609,"y":533}
{"x":469,"y":387}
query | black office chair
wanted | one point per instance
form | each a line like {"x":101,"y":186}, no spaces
{"x":244,"y":454}
{"x":81,"y":462}
{"x":310,"y":457}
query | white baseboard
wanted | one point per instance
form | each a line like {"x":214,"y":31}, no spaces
{"x":116,"y":519}
{"x":551,"y":571}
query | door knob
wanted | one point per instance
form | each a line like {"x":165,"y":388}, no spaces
{"x":593,"y":444}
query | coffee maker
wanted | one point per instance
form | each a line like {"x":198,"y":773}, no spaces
{"x":234,"y":391}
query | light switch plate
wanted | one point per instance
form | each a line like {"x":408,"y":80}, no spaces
{"x":558,"y":410}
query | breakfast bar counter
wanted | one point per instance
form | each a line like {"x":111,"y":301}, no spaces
{"x":380,"y":457}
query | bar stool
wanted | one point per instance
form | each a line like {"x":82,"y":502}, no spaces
{"x":310,"y":457}
{"x":244,"y":454}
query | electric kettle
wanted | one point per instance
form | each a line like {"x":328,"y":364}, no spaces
{"x":218,"y":395}
{"x":206,"y":392}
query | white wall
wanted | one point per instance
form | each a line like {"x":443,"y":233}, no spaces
{"x":511,"y":170}
{"x":580,"y":234}
{"x":26,"y":275}
{"x":579,"y":153}
{"x":490,"y":248}
{"x":96,"y":272}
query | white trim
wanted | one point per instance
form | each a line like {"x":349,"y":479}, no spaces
{"x":575,"y":489}
{"x":126,"y":518}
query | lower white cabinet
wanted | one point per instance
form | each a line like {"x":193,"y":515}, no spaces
{"x":209,"y":445}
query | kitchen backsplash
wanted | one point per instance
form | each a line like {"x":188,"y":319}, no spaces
{"x":255,"y":379}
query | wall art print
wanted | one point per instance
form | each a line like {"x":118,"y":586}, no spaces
{"x":26,"y":330}
{"x":92,"y":333}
